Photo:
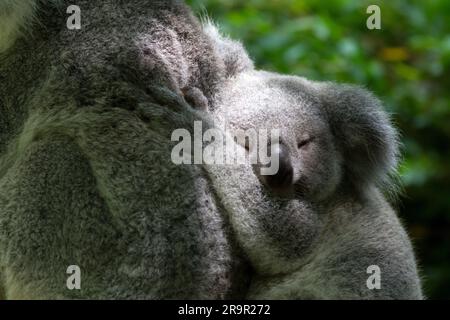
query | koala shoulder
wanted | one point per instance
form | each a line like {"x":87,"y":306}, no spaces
{"x":364,"y":236}
{"x":356,"y":239}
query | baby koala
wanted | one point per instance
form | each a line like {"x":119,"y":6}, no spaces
{"x":331,"y":137}
{"x":313,"y":228}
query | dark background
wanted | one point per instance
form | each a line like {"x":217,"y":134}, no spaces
{"x":406,"y":64}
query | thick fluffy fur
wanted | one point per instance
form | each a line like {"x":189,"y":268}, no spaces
{"x":86,"y":176}
{"x":317,"y":244}
{"x":15,"y":18}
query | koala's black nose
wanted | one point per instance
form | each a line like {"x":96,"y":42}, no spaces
{"x":283,"y":178}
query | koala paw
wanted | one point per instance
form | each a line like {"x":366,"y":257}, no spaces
{"x":195,"y":98}
{"x":168,"y":98}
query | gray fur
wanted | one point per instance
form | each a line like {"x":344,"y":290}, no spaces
{"x":317,"y":243}
{"x":86,"y":177}
{"x":85,"y":172}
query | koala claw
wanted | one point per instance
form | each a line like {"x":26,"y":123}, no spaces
{"x":168,"y":98}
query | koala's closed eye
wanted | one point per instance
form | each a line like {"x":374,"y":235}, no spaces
{"x":304,"y":142}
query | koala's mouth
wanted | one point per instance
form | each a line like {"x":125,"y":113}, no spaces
{"x":296,"y":190}
{"x":285,"y":191}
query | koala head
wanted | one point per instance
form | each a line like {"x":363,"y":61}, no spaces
{"x":331,"y":137}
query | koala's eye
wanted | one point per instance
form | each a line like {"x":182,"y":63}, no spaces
{"x":304,"y":142}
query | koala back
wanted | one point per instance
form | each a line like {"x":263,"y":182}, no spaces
{"x":86,"y":176}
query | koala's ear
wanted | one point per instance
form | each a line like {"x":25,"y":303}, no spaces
{"x":363,"y":132}
{"x":231,"y":52}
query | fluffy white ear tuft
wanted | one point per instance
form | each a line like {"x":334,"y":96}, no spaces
{"x":15,"y":17}
{"x":230,"y":51}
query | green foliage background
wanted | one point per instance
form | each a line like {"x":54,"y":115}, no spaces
{"x":406,"y":63}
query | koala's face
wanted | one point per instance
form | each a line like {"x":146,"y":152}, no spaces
{"x":309,"y":162}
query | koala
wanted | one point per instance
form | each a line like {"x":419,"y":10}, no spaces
{"x":86,"y":176}
{"x":314,"y":228}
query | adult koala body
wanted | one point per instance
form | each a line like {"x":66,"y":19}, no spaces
{"x":320,"y":226}
{"x":86,"y":176}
